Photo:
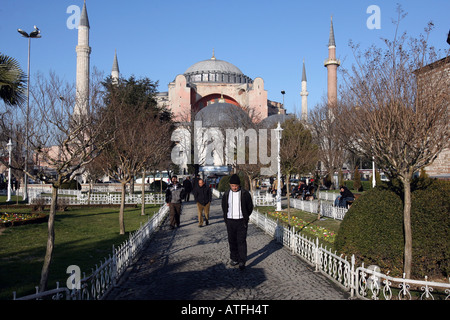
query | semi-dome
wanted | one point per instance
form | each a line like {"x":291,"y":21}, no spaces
{"x":271,"y":121}
{"x":222,"y":115}
{"x":215,"y":70}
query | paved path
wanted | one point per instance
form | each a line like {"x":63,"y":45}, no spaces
{"x":192,"y":263}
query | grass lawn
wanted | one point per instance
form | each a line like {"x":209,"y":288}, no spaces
{"x":83,"y":237}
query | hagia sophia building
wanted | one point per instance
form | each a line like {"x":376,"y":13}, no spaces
{"x":205,"y":83}
{"x":211,"y":86}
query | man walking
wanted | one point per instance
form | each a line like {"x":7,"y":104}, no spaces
{"x":203,"y":197}
{"x":187,"y":185}
{"x":237,"y":206}
{"x":174,"y":194}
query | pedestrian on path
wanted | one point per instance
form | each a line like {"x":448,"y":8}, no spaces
{"x":187,"y":185}
{"x":203,"y":197}
{"x":174,"y":195}
{"x":237,"y":206}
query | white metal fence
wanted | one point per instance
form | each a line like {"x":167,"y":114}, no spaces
{"x":361,"y":282}
{"x":74,"y":197}
{"x":263,"y":199}
{"x":105,"y":276}
{"x":326,"y":208}
{"x":329,"y":196}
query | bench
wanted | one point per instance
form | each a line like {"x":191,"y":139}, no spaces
{"x":349,"y":203}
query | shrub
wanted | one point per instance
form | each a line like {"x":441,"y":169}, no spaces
{"x":224,"y":183}
{"x":373,"y":229}
{"x":71,"y":185}
{"x":430,"y":215}
{"x":156,"y":185}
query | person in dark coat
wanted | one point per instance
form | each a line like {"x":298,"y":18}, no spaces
{"x":203,"y":197}
{"x":237,"y":206}
{"x":174,"y":196}
{"x":187,"y":185}
{"x":345,"y":195}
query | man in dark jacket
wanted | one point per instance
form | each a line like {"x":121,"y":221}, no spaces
{"x":203,"y":197}
{"x":346,"y":195}
{"x":187,"y":185}
{"x":237,"y":206}
{"x":174,"y":195}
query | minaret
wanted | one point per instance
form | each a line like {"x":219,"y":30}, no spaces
{"x":304,"y":94}
{"x":115,"y":70}
{"x":332,"y":64}
{"x":83,"y":56}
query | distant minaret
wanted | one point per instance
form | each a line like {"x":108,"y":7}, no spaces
{"x":83,"y":56}
{"x":304,"y":94}
{"x":332,"y":64}
{"x":115,"y":70}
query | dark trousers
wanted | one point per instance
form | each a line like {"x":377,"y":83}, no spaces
{"x":174,"y":214}
{"x":237,"y":239}
{"x":187,"y":196}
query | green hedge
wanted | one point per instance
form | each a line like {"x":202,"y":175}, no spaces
{"x":71,"y":185}
{"x":224,"y":183}
{"x":373,"y":229}
{"x":365,"y":185}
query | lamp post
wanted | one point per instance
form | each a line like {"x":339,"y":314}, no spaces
{"x":9,"y":146}
{"x":36,"y":33}
{"x":374,"y":181}
{"x":278,"y":131}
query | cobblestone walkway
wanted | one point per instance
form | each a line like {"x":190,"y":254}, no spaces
{"x":192,"y":263}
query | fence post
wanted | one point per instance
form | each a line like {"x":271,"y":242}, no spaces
{"x":317,"y":254}
{"x":293,"y":241}
{"x":352,"y":278}
{"x":114,"y":266}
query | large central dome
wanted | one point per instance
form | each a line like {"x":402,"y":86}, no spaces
{"x":214,"y":70}
{"x":213,"y":65}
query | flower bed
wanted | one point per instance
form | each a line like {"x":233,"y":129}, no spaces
{"x":17,"y":219}
{"x":305,"y":227}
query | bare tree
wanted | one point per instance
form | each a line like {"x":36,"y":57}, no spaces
{"x":325,"y":129}
{"x":62,"y":143}
{"x":403,"y":125}
{"x":297,"y":151}
{"x":140,"y":130}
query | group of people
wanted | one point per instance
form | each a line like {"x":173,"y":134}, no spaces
{"x":237,"y":206}
{"x":303,"y":191}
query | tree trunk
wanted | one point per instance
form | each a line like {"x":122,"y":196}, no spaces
{"x":250,"y":184}
{"x":143,"y":194}
{"x":50,"y":241}
{"x":122,"y":209}
{"x":407,"y":262}
{"x":132,"y":186}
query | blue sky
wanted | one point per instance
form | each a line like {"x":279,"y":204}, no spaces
{"x":160,"y":39}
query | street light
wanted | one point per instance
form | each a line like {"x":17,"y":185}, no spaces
{"x":374,"y":181}
{"x":9,"y":146}
{"x":278,"y":131}
{"x":36,"y":33}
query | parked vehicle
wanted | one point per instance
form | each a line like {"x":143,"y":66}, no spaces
{"x":159,"y":176}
